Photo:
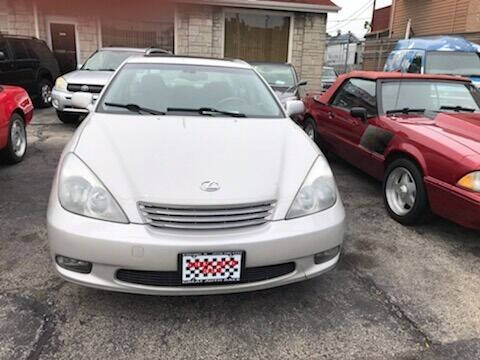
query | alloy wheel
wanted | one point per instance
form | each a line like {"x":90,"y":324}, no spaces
{"x":401,"y":191}
{"x":19,"y":138}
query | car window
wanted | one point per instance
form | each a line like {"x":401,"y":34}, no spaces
{"x":412,"y":62}
{"x":278,"y":75}
{"x":357,"y":93}
{"x":4,"y":49}
{"x":453,"y":62}
{"x":107,"y":60}
{"x":394,"y":61}
{"x":429,"y":95}
{"x":19,"y":49}
{"x":164,"y":86}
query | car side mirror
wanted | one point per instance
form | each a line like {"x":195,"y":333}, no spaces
{"x":359,"y":113}
{"x":2,"y":56}
{"x":302,"y":83}
{"x":294,"y":107}
{"x":82,"y":100}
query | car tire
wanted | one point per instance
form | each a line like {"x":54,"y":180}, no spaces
{"x":404,"y":193}
{"x":68,"y":118}
{"x":44,"y":93}
{"x":310,"y":128}
{"x":17,"y":141}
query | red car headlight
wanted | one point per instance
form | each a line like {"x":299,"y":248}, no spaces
{"x":470,"y":181}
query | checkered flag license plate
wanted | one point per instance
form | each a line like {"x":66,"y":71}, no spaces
{"x":218,"y":267}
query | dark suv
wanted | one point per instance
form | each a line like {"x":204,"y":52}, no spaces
{"x":29,"y":63}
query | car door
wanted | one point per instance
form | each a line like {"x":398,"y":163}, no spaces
{"x":346,"y":130}
{"x":24,"y":65}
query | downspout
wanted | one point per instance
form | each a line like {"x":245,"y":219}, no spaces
{"x":35,"y":20}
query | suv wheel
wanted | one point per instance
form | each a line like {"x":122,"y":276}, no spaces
{"x":17,"y":141}
{"x":68,"y":118}
{"x":404,"y":193}
{"x":44,"y":93}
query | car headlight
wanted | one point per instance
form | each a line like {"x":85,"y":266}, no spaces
{"x":318,"y":192}
{"x":61,"y":84}
{"x":471,"y":181}
{"x":82,"y":193}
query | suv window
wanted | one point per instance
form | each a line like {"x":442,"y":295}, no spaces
{"x":357,"y":93}
{"x":39,"y":49}
{"x":4,"y":49}
{"x":19,"y":49}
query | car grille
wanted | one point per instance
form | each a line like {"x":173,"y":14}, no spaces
{"x":94,"y":89}
{"x":174,"y":278}
{"x":206,"y":218}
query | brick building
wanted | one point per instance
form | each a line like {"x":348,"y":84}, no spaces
{"x":427,"y":18}
{"x":262,"y":30}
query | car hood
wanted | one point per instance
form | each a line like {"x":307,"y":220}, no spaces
{"x":85,"y":77}
{"x":460,"y":128}
{"x":164,"y":160}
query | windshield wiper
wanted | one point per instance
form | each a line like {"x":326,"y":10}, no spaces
{"x":405,"y":111}
{"x":135,"y":108}
{"x":106,"y":70}
{"x":457,"y":108}
{"x":207,"y":111}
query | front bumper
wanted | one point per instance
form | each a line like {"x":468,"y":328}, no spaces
{"x":62,"y":101}
{"x":111,"y":247}
{"x":455,"y":204}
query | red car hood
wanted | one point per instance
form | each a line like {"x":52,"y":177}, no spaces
{"x":463,"y":128}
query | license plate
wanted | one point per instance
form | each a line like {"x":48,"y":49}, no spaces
{"x":215,"y":267}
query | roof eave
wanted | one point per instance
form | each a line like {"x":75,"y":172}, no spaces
{"x":269,"y":4}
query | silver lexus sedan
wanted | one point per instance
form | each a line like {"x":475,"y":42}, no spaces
{"x":188,"y":178}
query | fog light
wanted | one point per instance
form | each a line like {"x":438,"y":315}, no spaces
{"x":79,"y":266}
{"x":328,"y":255}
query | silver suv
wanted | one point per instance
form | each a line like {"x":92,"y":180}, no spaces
{"x":91,"y":77}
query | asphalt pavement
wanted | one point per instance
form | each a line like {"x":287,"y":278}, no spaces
{"x":398,"y":293}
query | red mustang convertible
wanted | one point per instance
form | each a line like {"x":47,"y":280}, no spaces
{"x":420,"y":134}
{"x":16,"y":111}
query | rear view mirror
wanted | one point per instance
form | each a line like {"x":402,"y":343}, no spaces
{"x":82,"y":100}
{"x":359,"y":113}
{"x":2,"y":56}
{"x":294,"y":107}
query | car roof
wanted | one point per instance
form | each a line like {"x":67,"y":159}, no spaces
{"x":438,"y":43}
{"x":139,"y":50}
{"x":378,"y":75}
{"x":186,"y":60}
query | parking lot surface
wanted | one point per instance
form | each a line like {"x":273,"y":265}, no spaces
{"x":399,"y":293}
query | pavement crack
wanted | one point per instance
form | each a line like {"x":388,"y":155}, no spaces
{"x":393,"y":308}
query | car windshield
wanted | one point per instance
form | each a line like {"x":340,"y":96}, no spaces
{"x":278,"y":75}
{"x":453,"y":63}
{"x":193,"y":90}
{"x":429,"y":95}
{"x":329,"y":73}
{"x":107,"y":60}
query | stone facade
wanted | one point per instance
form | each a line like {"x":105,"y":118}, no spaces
{"x":199,"y":31}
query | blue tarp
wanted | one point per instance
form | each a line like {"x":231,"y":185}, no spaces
{"x":441,"y":43}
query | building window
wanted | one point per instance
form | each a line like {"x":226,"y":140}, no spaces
{"x":143,"y":34}
{"x":257,"y":37}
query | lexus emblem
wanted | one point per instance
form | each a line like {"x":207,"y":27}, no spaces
{"x":85,"y":88}
{"x":210,"y":186}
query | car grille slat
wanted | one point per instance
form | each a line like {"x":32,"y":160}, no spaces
{"x":205,"y":218}
{"x":95,"y":89}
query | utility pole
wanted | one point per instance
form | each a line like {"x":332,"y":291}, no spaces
{"x":348,"y":51}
